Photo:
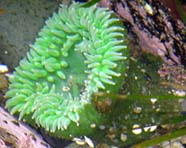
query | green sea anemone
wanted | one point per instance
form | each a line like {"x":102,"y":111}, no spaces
{"x":79,"y":52}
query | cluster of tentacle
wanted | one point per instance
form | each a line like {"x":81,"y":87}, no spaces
{"x":77,"y":53}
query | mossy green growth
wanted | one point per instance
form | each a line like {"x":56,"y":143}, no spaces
{"x":80,"y":51}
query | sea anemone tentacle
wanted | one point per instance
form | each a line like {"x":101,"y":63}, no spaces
{"x":79,"y":52}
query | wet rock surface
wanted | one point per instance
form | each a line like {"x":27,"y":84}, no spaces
{"x":20,"y":24}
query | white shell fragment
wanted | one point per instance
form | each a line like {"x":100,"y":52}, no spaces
{"x":148,"y":9}
{"x":136,"y":129}
{"x":123,"y":137}
{"x":3,"y":68}
{"x":179,"y":93}
{"x":153,"y":128}
{"x":150,"y":128}
{"x":93,"y":125}
{"x":89,"y":142}
{"x":79,"y":141}
{"x":157,"y":109}
{"x":153,"y":100}
{"x":137,"y":110}
{"x":84,"y":141}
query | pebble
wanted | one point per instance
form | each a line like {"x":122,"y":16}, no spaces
{"x":176,"y":144}
{"x":183,"y":140}
{"x":165,"y":144}
{"x":3,"y":68}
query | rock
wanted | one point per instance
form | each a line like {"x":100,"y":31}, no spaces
{"x":19,"y":26}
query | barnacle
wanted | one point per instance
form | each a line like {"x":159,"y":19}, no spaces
{"x":79,"y":52}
